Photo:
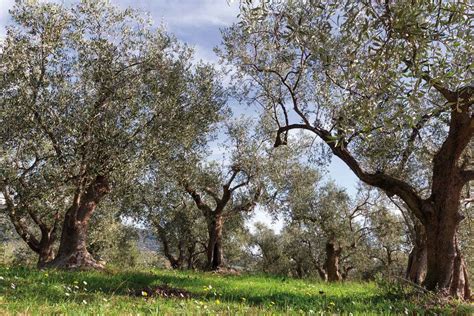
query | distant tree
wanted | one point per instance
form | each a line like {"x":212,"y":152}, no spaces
{"x":331,"y":216}
{"x":110,"y":239}
{"x":87,"y":91}
{"x":167,"y":210}
{"x":183,"y":230}
{"x":388,"y":239}
{"x":229,"y":189}
{"x":177,"y":223}
{"x":267,"y":249}
{"x":304,"y":250}
{"x":387,"y":87}
{"x":323,"y":225}
{"x":417,"y":259}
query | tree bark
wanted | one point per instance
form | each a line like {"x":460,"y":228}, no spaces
{"x":73,"y":253}
{"x":191,"y":254}
{"x":417,"y":260}
{"x":446,"y":268}
{"x":44,"y":246}
{"x":299,"y":271}
{"x":322,"y":273}
{"x":176,"y":263}
{"x":46,"y":252}
{"x":331,"y":265}
{"x":215,"y":254}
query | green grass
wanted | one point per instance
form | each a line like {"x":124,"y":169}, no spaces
{"x":29,"y":291}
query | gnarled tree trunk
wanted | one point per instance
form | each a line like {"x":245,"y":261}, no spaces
{"x":215,"y":254}
{"x":331,"y":265}
{"x":46,"y":251}
{"x":322,"y":273}
{"x":73,"y":253}
{"x":446,"y":268}
{"x":417,"y":260}
{"x":175,"y":262}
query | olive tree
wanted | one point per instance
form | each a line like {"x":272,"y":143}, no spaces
{"x":338,"y":225}
{"x":86,"y":92}
{"x":417,"y":259}
{"x":162,"y":208}
{"x":386,"y":86}
{"x":231,"y":188}
{"x":388,"y":239}
{"x":267,"y":250}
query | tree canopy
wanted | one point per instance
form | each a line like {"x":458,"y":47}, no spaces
{"x":388,"y":88}
{"x":87,"y":92}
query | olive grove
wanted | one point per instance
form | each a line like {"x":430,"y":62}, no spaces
{"x":114,"y":137}
{"x":387,"y":86}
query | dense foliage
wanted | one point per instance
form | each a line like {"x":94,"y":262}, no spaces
{"x":386,"y":86}
{"x":118,"y":150}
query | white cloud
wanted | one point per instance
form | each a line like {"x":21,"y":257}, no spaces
{"x":177,"y":14}
{"x":5,"y":6}
{"x":203,"y":17}
{"x":192,"y":13}
{"x":206,"y":55}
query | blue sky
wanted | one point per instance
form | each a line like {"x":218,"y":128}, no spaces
{"x":198,"y":23}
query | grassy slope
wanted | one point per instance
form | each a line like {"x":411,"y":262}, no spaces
{"x":46,"y":292}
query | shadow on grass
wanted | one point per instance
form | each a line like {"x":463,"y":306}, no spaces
{"x":58,"y":286}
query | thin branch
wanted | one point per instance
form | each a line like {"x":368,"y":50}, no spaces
{"x":197,"y":199}
{"x":416,"y":132}
{"x":235,"y":172}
